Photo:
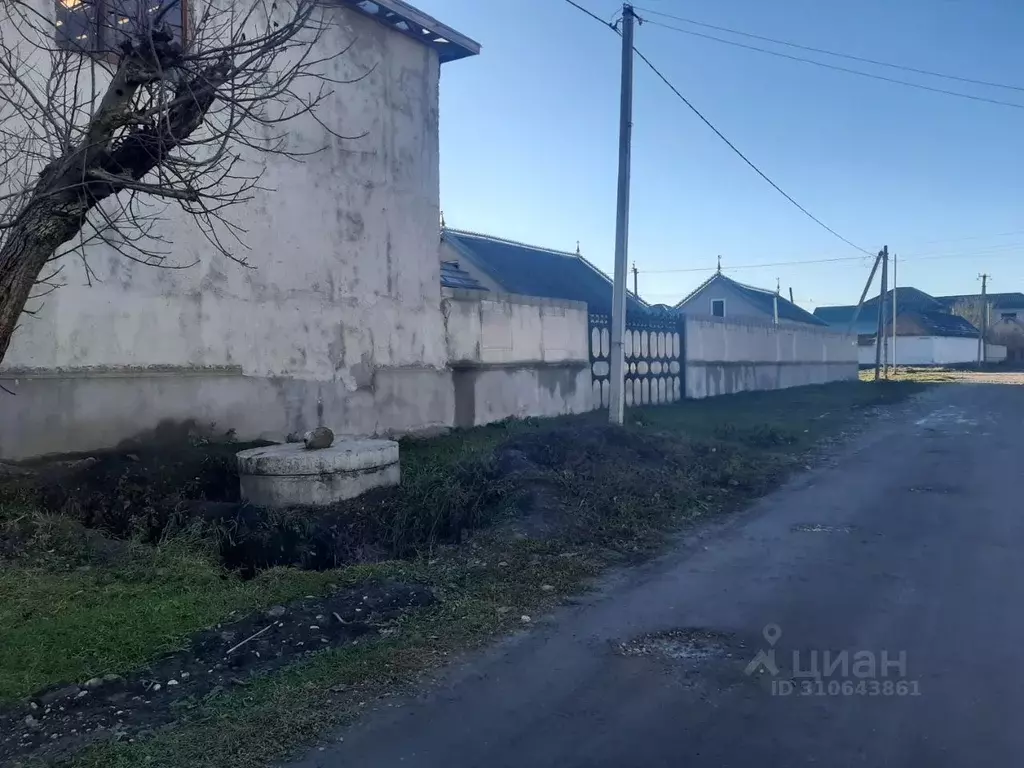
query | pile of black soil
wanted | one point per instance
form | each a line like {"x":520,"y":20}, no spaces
{"x":582,"y":480}
{"x":144,"y":492}
{"x":63,"y":718}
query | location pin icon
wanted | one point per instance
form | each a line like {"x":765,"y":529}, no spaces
{"x":772,"y":633}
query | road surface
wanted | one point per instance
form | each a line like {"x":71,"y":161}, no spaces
{"x":905,"y":550}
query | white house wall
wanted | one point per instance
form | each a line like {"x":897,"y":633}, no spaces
{"x":339,"y":314}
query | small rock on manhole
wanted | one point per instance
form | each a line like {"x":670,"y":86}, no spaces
{"x":678,"y":645}
{"x":820,"y":528}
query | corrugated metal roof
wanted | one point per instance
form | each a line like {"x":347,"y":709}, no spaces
{"x":534,"y":271}
{"x":762,"y":299}
{"x":453,"y":276}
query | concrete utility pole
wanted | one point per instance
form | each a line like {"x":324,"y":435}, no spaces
{"x":880,"y":335}
{"x":894,"y":315}
{"x":864,"y":293}
{"x":636,"y":273}
{"x":616,"y":401}
{"x":983,"y":331}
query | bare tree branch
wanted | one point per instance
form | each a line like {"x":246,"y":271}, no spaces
{"x":107,"y":116}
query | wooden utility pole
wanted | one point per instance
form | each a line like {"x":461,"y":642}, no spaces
{"x":616,"y":398}
{"x":983,"y":331}
{"x":880,"y":336}
{"x":791,"y":295}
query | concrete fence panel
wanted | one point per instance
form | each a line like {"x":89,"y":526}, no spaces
{"x":515,"y":356}
{"x":727,"y":356}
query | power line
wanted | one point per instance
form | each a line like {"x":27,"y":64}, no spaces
{"x":988,"y":252}
{"x":837,"y":68}
{"x":837,"y":54}
{"x":750,"y":266}
{"x":743,"y":157}
{"x":594,"y":16}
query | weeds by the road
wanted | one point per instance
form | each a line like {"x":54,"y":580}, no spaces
{"x":498,"y":521}
{"x":967,"y":374}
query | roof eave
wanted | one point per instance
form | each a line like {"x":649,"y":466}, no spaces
{"x":412,"y":22}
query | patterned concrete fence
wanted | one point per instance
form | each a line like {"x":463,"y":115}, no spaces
{"x":654,"y":350}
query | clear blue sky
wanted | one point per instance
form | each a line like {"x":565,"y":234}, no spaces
{"x":529,"y":133}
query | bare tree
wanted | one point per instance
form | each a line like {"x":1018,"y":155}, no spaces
{"x":972,"y":310}
{"x":111,"y":111}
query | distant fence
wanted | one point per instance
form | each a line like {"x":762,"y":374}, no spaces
{"x":654,"y":351}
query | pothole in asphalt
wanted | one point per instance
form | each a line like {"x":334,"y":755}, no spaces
{"x":679,"y":645}
{"x":821,"y":528}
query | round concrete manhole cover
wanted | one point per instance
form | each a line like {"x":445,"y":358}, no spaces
{"x":678,"y":645}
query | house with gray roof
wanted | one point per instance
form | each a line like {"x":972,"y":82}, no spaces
{"x":721,"y":296}
{"x":507,"y":266}
{"x":927,"y":332}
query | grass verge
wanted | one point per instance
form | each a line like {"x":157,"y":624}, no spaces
{"x":577,"y":498}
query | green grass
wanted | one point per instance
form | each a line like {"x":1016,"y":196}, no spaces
{"x":72,"y":606}
{"x":66,"y":625}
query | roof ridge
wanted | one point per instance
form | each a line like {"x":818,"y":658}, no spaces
{"x":507,"y":241}
{"x":698,"y":289}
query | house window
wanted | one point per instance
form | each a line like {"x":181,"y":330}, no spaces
{"x":718,"y":307}
{"x":1008,"y":315}
{"x":99,"y":26}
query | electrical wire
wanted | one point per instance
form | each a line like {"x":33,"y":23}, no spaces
{"x":851,"y":57}
{"x":883,"y":78}
{"x":743,"y":157}
{"x":988,"y":252}
{"x":720,"y":135}
{"x":594,"y":16}
{"x":749,"y":266}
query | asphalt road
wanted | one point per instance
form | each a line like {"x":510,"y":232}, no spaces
{"x":908,"y":541}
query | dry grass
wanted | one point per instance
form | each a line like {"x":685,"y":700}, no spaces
{"x":942,"y":375}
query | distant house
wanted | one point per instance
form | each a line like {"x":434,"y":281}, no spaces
{"x":721,"y":296}
{"x":927,"y":333}
{"x":1003,"y":306}
{"x":1005,"y":319}
{"x":506,"y":266}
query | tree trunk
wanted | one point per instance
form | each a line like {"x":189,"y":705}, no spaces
{"x":28,"y":246}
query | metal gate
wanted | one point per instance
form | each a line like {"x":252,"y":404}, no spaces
{"x":653,"y":347}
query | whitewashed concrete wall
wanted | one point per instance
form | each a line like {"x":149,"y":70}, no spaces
{"x":515,"y":355}
{"x":933,"y":350}
{"x":727,"y":356}
{"x":338,"y":316}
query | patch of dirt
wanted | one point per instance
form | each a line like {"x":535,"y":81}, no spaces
{"x":66,"y":717}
